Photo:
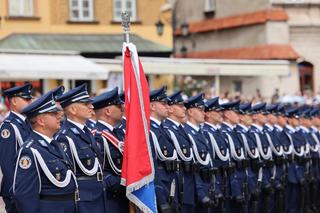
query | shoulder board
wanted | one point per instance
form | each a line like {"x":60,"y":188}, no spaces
{"x":29,"y":143}
{"x":155,"y":125}
{"x":43,"y":143}
{"x":75,"y":131}
{"x":18,"y":120}
{"x":165,"y":126}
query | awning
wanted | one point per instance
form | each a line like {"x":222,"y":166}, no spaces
{"x":205,"y":67}
{"x":55,"y":66}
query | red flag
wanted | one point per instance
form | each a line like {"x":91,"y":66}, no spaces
{"x":137,"y":167}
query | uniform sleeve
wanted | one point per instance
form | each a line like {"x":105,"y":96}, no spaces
{"x":7,"y":155}
{"x":26,"y":183}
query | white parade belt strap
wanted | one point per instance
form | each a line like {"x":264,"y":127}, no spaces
{"x":74,"y":153}
{"x":178,"y":148}
{"x":290,"y":150}
{"x":53,"y":180}
{"x":195,"y":149}
{"x":108,"y":153}
{"x":299,"y":154}
{"x":214,"y":144}
{"x":158,"y":150}
{"x":315,"y":138}
{"x":18,"y":136}
{"x":233,"y":151}
{"x":246,"y":146}
{"x":267,"y":156}
{"x":273,"y":148}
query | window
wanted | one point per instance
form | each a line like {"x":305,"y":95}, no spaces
{"x":81,"y":10}
{"x":209,"y":6}
{"x":21,"y":7}
{"x":124,"y":5}
{"x":237,"y":86}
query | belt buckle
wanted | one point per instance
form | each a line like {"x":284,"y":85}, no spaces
{"x":77,"y":195}
{"x":99,"y":176}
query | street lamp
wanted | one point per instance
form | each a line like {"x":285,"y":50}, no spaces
{"x":184,"y":51}
{"x":159,"y":25}
{"x":185,"y":29}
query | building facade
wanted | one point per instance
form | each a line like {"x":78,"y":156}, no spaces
{"x":91,"y":28}
{"x":259,"y":29}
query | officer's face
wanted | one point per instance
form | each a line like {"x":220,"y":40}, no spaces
{"x":272,"y":119}
{"x":160,"y":108}
{"x":115,"y":112}
{"x":179,"y":112}
{"x":215,"y":116}
{"x":52,"y":121}
{"x":197,"y":114}
{"x":246,"y":119}
{"x":305,"y":122}
{"x":294,"y":122}
{"x":232,"y":116}
{"x":20,"y":103}
{"x":261,"y":118}
{"x":315,"y":121}
{"x":282,"y":121}
{"x":82,"y":110}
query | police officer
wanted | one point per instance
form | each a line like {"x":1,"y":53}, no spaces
{"x":296,"y":180}
{"x":173,"y":127}
{"x":220,"y":154}
{"x":108,"y":111}
{"x":201,"y":150}
{"x":287,"y":149}
{"x":14,"y":131}
{"x":237,"y":174}
{"x":254,"y":169}
{"x":278,"y":171}
{"x":165,"y":155}
{"x":315,"y":158}
{"x":82,"y":149}
{"x":311,"y":150}
{"x":262,"y":142}
{"x":43,"y":179}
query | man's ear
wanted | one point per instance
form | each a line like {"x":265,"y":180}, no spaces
{"x":40,"y":121}
{"x":13,"y":101}
{"x":152,"y":106}
{"x":73,"y":109}
{"x":107,"y":111}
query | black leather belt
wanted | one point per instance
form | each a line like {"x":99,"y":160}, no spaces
{"x":65,"y":197}
{"x":98,"y":177}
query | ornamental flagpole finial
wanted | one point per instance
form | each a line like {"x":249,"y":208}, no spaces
{"x":126,"y":25}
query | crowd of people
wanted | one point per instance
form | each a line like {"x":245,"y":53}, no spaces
{"x":63,"y":153}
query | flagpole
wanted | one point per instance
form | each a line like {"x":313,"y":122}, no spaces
{"x":126,"y":25}
{"x":126,"y":32}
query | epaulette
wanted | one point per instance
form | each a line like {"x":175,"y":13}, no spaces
{"x":175,"y":127}
{"x":43,"y":143}
{"x":155,"y":125}
{"x":75,"y":131}
{"x":29,"y":143}
{"x":18,"y":120}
